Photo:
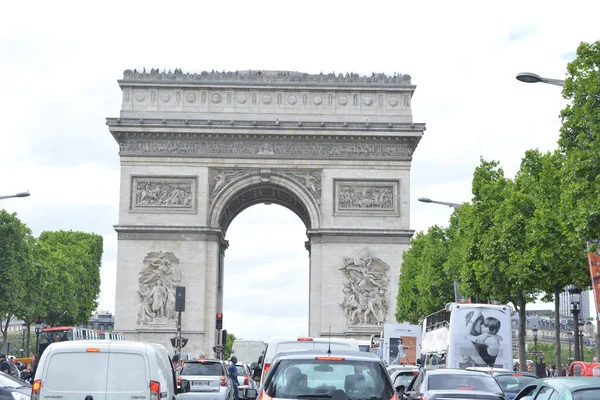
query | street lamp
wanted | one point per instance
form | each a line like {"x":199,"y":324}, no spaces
{"x":22,"y":194}
{"x":581,"y":344}
{"x":575,"y":292}
{"x":535,"y":339}
{"x":529,"y":77}
{"x":38,"y":329}
{"x":570,"y":335}
{"x":444,"y":203}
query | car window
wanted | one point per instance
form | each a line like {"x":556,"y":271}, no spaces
{"x":480,"y":382}
{"x":513,"y":383}
{"x":126,"y":373}
{"x":524,"y":393}
{"x":415,"y":385}
{"x":7,"y":381}
{"x":240,"y":370}
{"x":587,"y":394}
{"x":66,"y":371}
{"x":404,"y":378}
{"x":352,"y":379}
{"x":203,"y":368}
{"x":545,"y":393}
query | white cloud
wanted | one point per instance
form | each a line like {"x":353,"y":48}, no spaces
{"x":59,"y":65}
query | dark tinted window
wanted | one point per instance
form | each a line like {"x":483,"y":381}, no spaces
{"x":513,"y":383}
{"x":205,"y":368}
{"x":463,"y":382}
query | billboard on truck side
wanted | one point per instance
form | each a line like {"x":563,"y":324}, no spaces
{"x":401,"y":344}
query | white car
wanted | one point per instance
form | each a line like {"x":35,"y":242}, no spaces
{"x":208,"y":379}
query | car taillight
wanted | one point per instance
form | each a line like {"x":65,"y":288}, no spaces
{"x":305,"y":339}
{"x":179,"y":378}
{"x":154,"y":390}
{"x":35,"y":390}
{"x":223,"y":381}
{"x":245,"y":380}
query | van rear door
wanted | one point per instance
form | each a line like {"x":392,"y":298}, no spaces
{"x":127,"y":376}
{"x":75,"y":375}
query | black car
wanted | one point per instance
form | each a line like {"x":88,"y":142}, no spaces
{"x":13,"y":388}
{"x":513,"y":382}
{"x":434,"y":384}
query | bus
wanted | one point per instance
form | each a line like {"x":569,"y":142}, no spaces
{"x":53,"y":334}
{"x":468,"y":335}
{"x":110,"y":335}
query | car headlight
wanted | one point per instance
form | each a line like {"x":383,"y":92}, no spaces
{"x":19,"y":396}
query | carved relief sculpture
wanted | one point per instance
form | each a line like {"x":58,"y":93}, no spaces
{"x":380,"y":197}
{"x":311,"y":180}
{"x":365,"y":289}
{"x":219,"y":178}
{"x":156,"y":288}
{"x":163,"y":193}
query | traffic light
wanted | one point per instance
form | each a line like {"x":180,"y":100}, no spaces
{"x":224,"y":337}
{"x":180,"y":298}
{"x":219,"y":320}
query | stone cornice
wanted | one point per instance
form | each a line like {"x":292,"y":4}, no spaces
{"x":271,"y":78}
{"x":161,"y":232}
{"x":324,"y":232}
{"x":204,"y":124}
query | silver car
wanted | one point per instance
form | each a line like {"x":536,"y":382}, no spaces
{"x":245,"y":380}
{"x":208,"y":379}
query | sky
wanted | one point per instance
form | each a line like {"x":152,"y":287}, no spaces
{"x":60,"y":61}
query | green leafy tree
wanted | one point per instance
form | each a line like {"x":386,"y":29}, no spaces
{"x":16,"y":244}
{"x":580,"y":143}
{"x":424,"y":285}
{"x":71,"y":275}
{"x":228,"y":345}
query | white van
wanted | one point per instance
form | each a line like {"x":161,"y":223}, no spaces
{"x":277,"y":345}
{"x":105,"y":370}
{"x":247,"y":351}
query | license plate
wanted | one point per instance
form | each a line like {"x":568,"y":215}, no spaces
{"x":200,"y":383}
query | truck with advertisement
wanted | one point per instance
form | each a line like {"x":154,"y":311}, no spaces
{"x":468,"y":335}
{"x":401,"y":344}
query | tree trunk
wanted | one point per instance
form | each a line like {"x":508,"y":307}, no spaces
{"x":522,"y":332}
{"x":28,"y":345}
{"x":557,"y":290}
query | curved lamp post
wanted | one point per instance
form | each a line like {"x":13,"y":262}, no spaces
{"x":529,"y":77}
{"x":444,"y":203}
{"x":22,"y":194}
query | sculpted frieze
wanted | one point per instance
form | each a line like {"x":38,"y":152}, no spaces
{"x":376,"y":196}
{"x":237,"y":148}
{"x":218,"y":179}
{"x":156,"y":293}
{"x":163,"y":193}
{"x":365,"y":291}
{"x":310,"y":179}
{"x":266,"y":77}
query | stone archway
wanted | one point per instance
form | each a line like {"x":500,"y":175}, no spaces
{"x":197,"y":149}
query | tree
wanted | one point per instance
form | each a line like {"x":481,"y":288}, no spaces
{"x":424,"y":285}
{"x":496,"y":266}
{"x":228,"y":345}
{"x":580,"y":143}
{"x":16,"y":244}
{"x":71,"y":275}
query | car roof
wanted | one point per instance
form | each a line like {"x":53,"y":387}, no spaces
{"x":212,"y":360}
{"x":508,"y":373}
{"x":308,"y":354}
{"x":571,"y":382}
{"x":82,"y":345}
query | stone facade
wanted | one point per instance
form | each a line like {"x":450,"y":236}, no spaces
{"x":198,"y":149}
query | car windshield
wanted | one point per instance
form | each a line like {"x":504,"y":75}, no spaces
{"x":240,"y":370}
{"x":463,"y":382}
{"x":327,"y":378}
{"x":203,"y":368}
{"x":513,"y":383}
{"x":587,"y":394}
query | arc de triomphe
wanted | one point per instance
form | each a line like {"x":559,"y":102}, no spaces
{"x":197,"y":149}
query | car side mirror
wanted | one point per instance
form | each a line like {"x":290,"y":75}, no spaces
{"x":185,"y":386}
{"x":256,"y":374}
{"x":400,"y":389}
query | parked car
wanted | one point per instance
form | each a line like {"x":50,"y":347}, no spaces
{"x":13,"y":389}
{"x":208,"y":379}
{"x":571,"y":388}
{"x":435,"y":384}
{"x":336,"y":375}
{"x":513,"y":382}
